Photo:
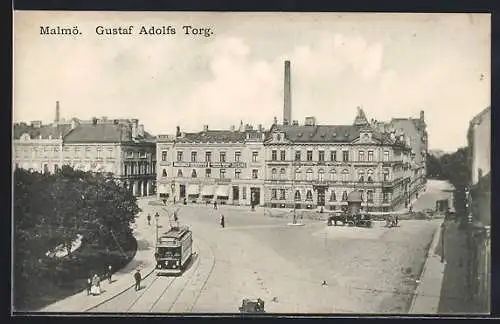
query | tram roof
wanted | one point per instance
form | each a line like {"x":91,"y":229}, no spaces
{"x":176,"y":232}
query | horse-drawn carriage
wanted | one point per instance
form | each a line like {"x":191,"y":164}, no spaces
{"x":358,"y":220}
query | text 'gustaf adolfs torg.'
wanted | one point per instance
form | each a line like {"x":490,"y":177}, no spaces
{"x":131,"y":30}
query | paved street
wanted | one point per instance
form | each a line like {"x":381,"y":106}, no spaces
{"x":366,"y":270}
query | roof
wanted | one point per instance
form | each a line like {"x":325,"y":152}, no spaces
{"x":45,"y":131}
{"x":176,"y":232}
{"x":360,"y":118}
{"x":103,"y":133}
{"x":354,"y":196}
{"x":215,"y":136}
{"x":328,"y":133}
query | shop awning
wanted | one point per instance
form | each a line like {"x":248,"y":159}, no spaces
{"x":223,"y":191}
{"x":163,"y":189}
{"x":193,"y":190}
{"x":208,"y":190}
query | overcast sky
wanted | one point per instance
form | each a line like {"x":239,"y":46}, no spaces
{"x":393,"y":65}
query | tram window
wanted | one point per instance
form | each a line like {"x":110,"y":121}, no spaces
{"x":169,"y":252}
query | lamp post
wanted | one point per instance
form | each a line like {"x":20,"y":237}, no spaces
{"x":172,"y":187}
{"x":157,"y":216}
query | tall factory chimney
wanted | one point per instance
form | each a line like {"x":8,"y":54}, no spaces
{"x":58,"y":112}
{"x":287,"y":107}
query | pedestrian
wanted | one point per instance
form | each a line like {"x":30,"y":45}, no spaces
{"x":149,"y":219}
{"x":175,"y":216}
{"x":95,"y":290}
{"x":110,"y":272}
{"x":215,"y":204}
{"x":137,"y":277}
{"x":89,"y":284}
{"x":222,"y":223}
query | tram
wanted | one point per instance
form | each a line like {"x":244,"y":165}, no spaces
{"x":174,"y":250}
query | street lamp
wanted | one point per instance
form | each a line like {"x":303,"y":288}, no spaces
{"x":157,"y":216}
{"x":172,"y":187}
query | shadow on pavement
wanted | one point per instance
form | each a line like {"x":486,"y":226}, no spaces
{"x":454,"y":291}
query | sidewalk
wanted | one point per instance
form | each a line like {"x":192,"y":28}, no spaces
{"x":122,"y":280}
{"x":428,"y":292}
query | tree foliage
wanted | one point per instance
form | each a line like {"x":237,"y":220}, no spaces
{"x":456,"y":168}
{"x":53,"y":209}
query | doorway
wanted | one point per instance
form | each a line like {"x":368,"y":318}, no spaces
{"x":182,"y":191}
{"x":236,"y":194}
{"x":321,"y":196}
{"x":255,"y":196}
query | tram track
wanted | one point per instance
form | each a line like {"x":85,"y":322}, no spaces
{"x":212,"y":267}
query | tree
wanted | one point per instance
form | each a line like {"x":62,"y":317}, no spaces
{"x":50,"y":210}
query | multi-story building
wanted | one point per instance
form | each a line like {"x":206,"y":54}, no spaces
{"x":212,"y":165}
{"x":479,"y":265}
{"x":119,"y":146}
{"x":310,"y":165}
{"x":292,"y":165}
{"x":415,"y":130}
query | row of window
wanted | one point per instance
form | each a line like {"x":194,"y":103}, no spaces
{"x":345,"y":175}
{"x":208,"y":173}
{"x":138,"y":168}
{"x":282,"y":156}
{"x":333,"y":156}
{"x":87,"y":151}
{"x":208,"y":156}
{"x":280,"y":194}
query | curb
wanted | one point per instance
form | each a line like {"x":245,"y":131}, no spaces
{"x":430,"y":254}
{"x":119,"y":293}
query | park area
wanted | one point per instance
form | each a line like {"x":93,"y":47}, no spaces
{"x":67,"y":226}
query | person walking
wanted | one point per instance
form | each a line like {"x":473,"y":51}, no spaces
{"x":137,"y":277}
{"x":95,"y":290}
{"x":149,"y":219}
{"x":222,"y":222}
{"x":110,"y":273}
{"x":215,"y":204}
{"x":89,"y":284}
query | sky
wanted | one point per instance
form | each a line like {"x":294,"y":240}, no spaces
{"x":391,"y":65}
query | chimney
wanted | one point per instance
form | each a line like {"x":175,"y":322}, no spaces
{"x":94,"y":120}
{"x":135,"y":126}
{"x":36,"y":124}
{"x":260,"y":128}
{"x":178,"y":132}
{"x":57,"y":112}
{"x":421,"y":115}
{"x":205,"y":128}
{"x":275,"y":121}
{"x":74,"y":123}
{"x":140,"y":130}
{"x":310,"y":121}
{"x":232,"y":128}
{"x":287,"y":95}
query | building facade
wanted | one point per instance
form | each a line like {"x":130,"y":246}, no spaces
{"x":318,"y":166}
{"x":119,"y":146}
{"x":212,"y":165}
{"x":415,"y":130}
{"x":479,"y":143}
